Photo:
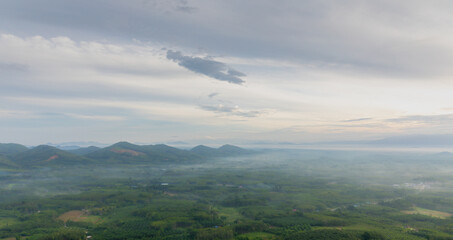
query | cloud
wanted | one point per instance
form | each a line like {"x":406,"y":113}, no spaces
{"x":430,"y":119}
{"x":96,"y":117}
{"x":357,"y":120}
{"x":213,"y":95}
{"x":15,"y":67}
{"x":374,"y":37}
{"x":62,"y":67}
{"x":7,"y":113}
{"x":232,"y":110}
{"x":169,"y":5}
{"x":317,"y":63}
{"x":15,"y":114}
{"x":185,"y":9}
{"x":129,"y":70}
{"x":208,"y":67}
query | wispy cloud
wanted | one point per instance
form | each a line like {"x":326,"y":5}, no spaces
{"x":357,"y":120}
{"x":432,"y":119}
{"x":15,"y":114}
{"x":232,"y":110}
{"x":96,"y":117}
{"x":208,"y":67}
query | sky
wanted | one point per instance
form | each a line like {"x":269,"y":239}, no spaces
{"x":214,"y":72}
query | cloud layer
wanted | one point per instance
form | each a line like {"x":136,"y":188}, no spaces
{"x":316,"y":70}
{"x":387,"y":38}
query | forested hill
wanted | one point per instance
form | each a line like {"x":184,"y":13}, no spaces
{"x":11,"y":148}
{"x":16,"y":155}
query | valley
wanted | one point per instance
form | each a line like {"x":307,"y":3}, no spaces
{"x":169,"y":193}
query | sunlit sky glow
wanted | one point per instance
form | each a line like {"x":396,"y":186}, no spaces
{"x":241,"y":72}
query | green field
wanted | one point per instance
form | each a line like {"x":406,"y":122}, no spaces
{"x":431,"y":213}
{"x":6,"y":221}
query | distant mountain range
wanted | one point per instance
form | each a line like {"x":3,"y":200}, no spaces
{"x":16,"y":155}
{"x":402,"y":141}
{"x":413,"y":141}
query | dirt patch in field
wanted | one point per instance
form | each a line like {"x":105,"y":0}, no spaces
{"x":80,"y":216}
{"x":75,"y":216}
{"x":128,"y":151}
{"x":51,"y":158}
{"x":170,"y":194}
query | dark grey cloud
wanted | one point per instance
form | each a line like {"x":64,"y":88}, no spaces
{"x":230,"y":110}
{"x":208,"y":67}
{"x":213,"y":95}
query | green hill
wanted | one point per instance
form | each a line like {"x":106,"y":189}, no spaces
{"x":204,"y":150}
{"x":84,"y":150}
{"x":167,"y":153}
{"x":5,"y":162}
{"x":118,"y":152}
{"x":45,"y":155}
{"x":230,"y":150}
{"x":128,"y":152}
{"x":223,"y":151}
{"x":12,"y":148}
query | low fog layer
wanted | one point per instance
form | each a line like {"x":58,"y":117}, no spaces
{"x":391,"y":169}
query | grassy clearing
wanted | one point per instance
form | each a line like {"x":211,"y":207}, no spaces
{"x":71,"y":215}
{"x":231,"y":214}
{"x":5,"y":221}
{"x":258,"y":235}
{"x":427,"y":212}
{"x":356,"y":227}
{"x":91,"y":219}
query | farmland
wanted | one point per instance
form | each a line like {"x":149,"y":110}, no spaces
{"x":301,"y":194}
